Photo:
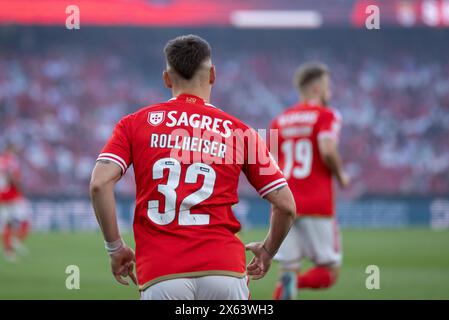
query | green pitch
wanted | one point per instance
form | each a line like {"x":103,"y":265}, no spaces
{"x":414,"y":264}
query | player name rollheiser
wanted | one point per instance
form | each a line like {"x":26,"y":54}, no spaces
{"x":196,"y":144}
{"x":187,"y":143}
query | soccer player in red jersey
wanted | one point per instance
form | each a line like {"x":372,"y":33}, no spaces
{"x":308,"y":134}
{"x":187,"y":156}
{"x":13,"y":206}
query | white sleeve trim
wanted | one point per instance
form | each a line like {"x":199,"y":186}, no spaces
{"x":271,"y":184}
{"x":275,"y":187}
{"x":115,"y":161}
{"x":116,"y":157}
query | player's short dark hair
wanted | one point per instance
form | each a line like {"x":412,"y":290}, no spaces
{"x":307,"y":73}
{"x":185,"y":54}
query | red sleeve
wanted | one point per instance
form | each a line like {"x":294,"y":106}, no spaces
{"x":118,"y":148}
{"x":260,"y":168}
{"x":330,"y":125}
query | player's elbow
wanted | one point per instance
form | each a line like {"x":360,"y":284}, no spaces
{"x":103,"y":178}
{"x":290,"y":209}
{"x":96,"y":186}
{"x":282,"y":202}
{"x":287,"y":206}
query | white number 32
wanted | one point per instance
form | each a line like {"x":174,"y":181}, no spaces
{"x":185,"y":218}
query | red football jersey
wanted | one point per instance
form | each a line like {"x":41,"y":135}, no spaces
{"x":299,"y":129}
{"x":9,"y":166}
{"x":187,"y":157}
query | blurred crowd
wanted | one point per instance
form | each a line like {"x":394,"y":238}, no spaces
{"x":59,"y":105}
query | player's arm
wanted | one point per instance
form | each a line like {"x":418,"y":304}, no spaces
{"x":269,"y":181}
{"x":328,"y":147}
{"x":104,"y":177}
{"x":283,"y":213}
{"x":328,"y":136}
{"x":111,"y":164}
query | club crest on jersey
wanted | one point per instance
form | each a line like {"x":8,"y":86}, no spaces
{"x":156,"y":118}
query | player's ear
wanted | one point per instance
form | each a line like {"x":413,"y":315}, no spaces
{"x":167,"y":80}
{"x":212,"y":75}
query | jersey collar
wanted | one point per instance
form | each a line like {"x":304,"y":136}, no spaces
{"x":190,"y":98}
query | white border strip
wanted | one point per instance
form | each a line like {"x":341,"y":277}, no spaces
{"x":273,"y":188}
{"x":113,"y":160}
{"x":115,"y":157}
{"x":270,"y":184}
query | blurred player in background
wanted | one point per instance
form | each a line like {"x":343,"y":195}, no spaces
{"x":13,"y":206}
{"x":308,"y":138}
{"x":241,"y":211}
{"x":184,"y":227}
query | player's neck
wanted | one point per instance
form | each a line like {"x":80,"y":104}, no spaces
{"x":202,"y":93}
{"x":311,"y":101}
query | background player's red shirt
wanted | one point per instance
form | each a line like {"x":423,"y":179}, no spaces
{"x":183,"y":222}
{"x":9,"y":167}
{"x":299,"y":129}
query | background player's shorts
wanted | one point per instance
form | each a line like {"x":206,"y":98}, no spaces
{"x":14,"y":211}
{"x":317,"y":239}
{"x":202,"y":288}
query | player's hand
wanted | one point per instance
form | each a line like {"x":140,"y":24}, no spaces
{"x":260,"y":264}
{"x":122,"y":265}
{"x":344,"y":180}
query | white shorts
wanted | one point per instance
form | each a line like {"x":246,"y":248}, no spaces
{"x":12,"y":211}
{"x":317,"y":239}
{"x":202,"y":288}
